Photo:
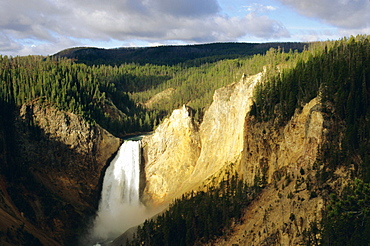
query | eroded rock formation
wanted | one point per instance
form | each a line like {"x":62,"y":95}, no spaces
{"x":280,"y":157}
{"x":170,"y":153}
{"x":76,"y":151}
{"x":180,"y":155}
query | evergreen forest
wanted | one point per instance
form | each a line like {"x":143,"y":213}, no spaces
{"x":114,"y":96}
{"x":199,"y":217}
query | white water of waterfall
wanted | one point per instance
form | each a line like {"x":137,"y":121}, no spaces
{"x":120,"y":207}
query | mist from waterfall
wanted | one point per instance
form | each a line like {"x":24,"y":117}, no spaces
{"x":120,"y":207}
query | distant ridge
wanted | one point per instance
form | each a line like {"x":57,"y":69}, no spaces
{"x":171,"y":55}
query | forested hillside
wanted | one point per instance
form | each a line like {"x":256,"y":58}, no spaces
{"x":114,"y":96}
{"x":189,"y":55}
{"x":339,"y":72}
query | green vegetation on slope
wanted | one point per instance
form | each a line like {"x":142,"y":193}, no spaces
{"x":99,"y":93}
{"x":188,"y":55}
{"x":347,"y":221}
{"x":199,"y":217}
{"x":339,"y":72}
{"x":113,"y":96}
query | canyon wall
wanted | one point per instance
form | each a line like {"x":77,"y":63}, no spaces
{"x":77,"y":151}
{"x":181,"y":154}
{"x":170,"y":155}
{"x":53,"y":166}
{"x":279,"y":158}
{"x":53,"y":181}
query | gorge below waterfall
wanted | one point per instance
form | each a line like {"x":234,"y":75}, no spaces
{"x":120,"y":207}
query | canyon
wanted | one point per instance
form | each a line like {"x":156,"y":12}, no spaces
{"x":179,"y":156}
{"x":182,"y":155}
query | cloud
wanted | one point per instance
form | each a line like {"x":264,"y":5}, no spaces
{"x":256,"y":7}
{"x":8,"y":45}
{"x":46,"y":25}
{"x":347,"y":14}
{"x":44,"y":48}
{"x":264,"y":27}
{"x":187,"y":8}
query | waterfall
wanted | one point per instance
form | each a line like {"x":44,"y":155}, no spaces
{"x":120,"y":207}
{"x":121,"y":180}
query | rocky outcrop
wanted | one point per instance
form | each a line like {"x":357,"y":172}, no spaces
{"x":284,"y":159}
{"x":55,"y":175}
{"x":170,"y":155}
{"x":268,"y":149}
{"x":179,"y":156}
{"x":88,"y":148}
{"x":223,"y":128}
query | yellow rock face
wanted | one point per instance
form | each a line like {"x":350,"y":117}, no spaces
{"x":179,"y":156}
{"x":268,"y":149}
{"x":289,"y":204}
{"x":171,"y":153}
{"x":222,"y":129}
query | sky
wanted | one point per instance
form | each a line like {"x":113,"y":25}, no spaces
{"x":44,"y":27}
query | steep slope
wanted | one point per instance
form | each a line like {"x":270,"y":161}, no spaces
{"x":170,"y":156}
{"x":280,"y":158}
{"x":89,"y":147}
{"x":269,"y":149}
{"x":180,"y":154}
{"x":283,"y":159}
{"x":223,"y":128}
{"x":304,"y":146}
{"x":54,"y":161}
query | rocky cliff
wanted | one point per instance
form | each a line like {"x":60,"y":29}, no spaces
{"x":281,"y":158}
{"x":170,"y":156}
{"x":76,"y":150}
{"x":223,"y":128}
{"x":180,"y":155}
{"x":52,"y":182}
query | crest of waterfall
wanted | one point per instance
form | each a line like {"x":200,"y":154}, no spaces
{"x":120,"y":207}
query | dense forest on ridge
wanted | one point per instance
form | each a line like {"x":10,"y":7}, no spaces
{"x":188,"y":55}
{"x":114,"y":92}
